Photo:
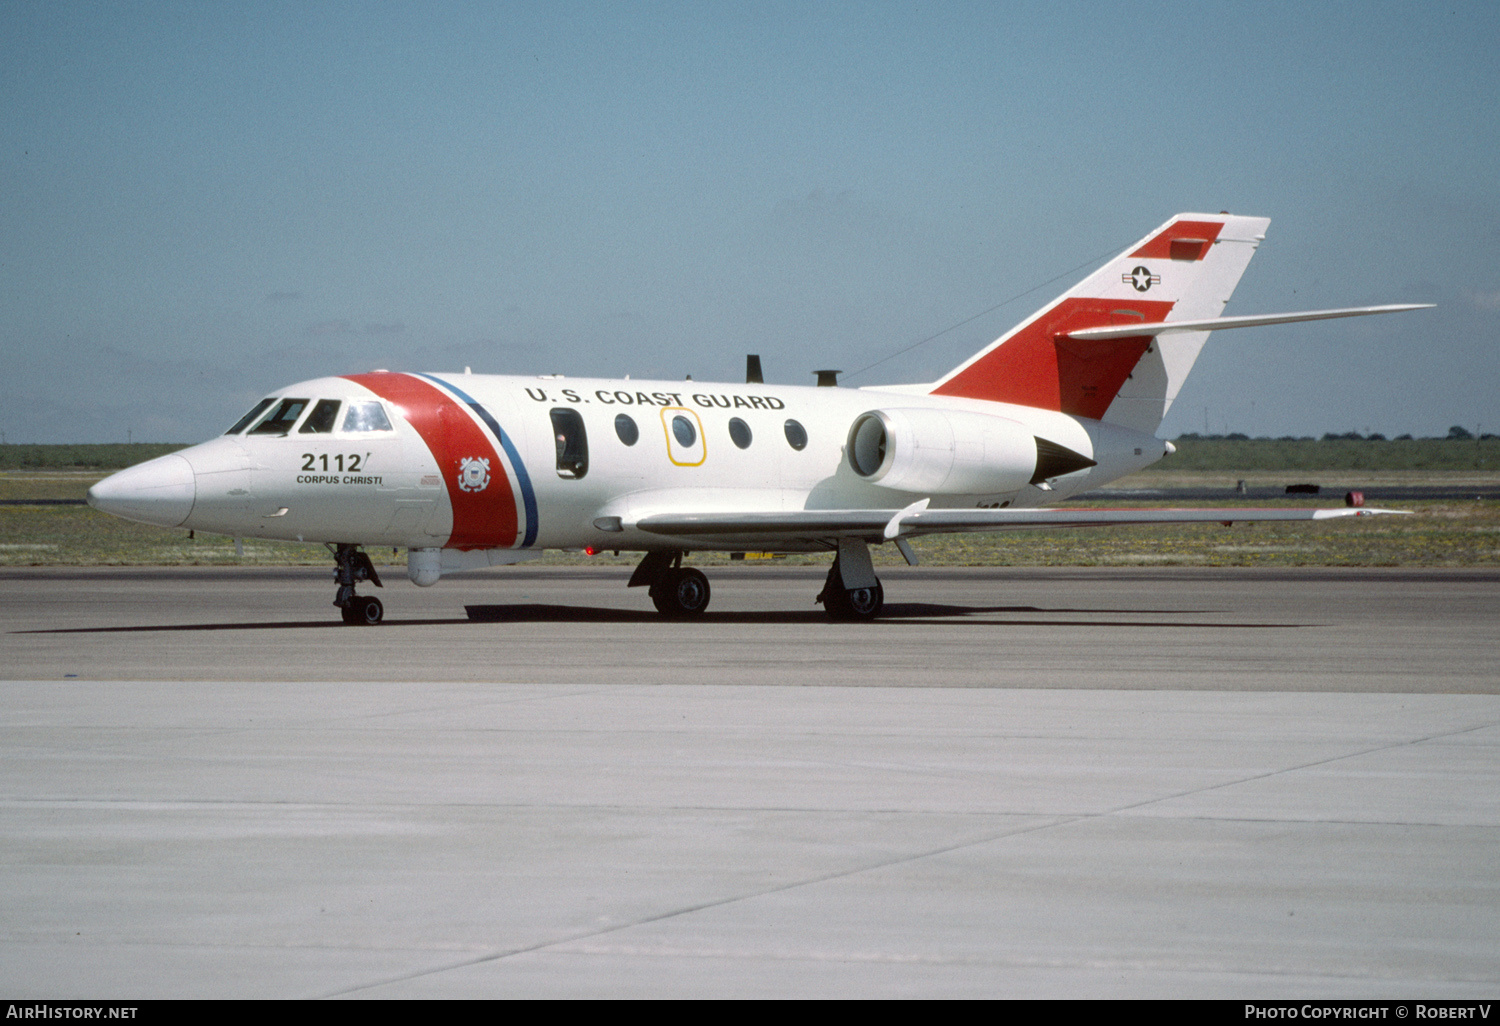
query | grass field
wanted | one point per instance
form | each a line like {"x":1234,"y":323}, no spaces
{"x":1333,"y":454}
{"x":1438,"y":534}
{"x":1193,"y":454}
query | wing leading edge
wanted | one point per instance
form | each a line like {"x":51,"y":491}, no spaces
{"x":876,"y":525}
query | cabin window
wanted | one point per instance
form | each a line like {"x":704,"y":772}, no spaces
{"x":684,"y":432}
{"x":626,"y":429}
{"x":282,"y":419}
{"x":796,"y":435}
{"x":364,"y":417}
{"x":320,"y":420}
{"x":572,"y":443}
{"x":739,"y":433}
{"x":244,"y":421}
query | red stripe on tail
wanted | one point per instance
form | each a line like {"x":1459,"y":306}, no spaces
{"x":1037,"y":367}
{"x":1184,"y":240}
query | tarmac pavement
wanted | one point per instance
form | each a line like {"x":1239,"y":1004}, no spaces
{"x":1072,"y":783}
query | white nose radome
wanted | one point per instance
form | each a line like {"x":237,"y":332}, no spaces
{"x":159,"y":491}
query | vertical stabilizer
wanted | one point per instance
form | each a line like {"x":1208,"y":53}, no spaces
{"x":1185,"y":270}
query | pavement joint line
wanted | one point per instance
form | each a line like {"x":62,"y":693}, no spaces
{"x":818,"y":810}
{"x":696,"y":907}
{"x":190,"y":805}
{"x":1053,"y":823}
{"x":1293,"y":769}
{"x":1136,"y":965}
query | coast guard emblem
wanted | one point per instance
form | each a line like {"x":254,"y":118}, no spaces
{"x":474,"y":474}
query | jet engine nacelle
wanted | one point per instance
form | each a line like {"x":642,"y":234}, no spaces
{"x":941,"y":451}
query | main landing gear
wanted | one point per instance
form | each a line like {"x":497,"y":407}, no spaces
{"x":351,"y":567}
{"x":852,"y":591}
{"x":676,"y":591}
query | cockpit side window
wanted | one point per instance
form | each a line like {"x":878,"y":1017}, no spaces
{"x":364,"y":417}
{"x":572,"y":443}
{"x":244,"y":421}
{"x":320,"y":420}
{"x":282,"y":419}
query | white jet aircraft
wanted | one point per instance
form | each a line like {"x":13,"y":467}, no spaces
{"x":469,"y":470}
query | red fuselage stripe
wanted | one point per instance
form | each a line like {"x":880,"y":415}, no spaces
{"x":484,"y":506}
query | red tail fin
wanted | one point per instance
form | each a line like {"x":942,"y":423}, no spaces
{"x":1185,"y":270}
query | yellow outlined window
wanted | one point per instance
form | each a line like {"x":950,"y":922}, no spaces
{"x":685,"y":443}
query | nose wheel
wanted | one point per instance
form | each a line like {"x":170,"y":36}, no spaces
{"x":363,"y":611}
{"x":350,"y":567}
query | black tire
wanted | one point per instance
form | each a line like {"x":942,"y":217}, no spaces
{"x":856,"y":604}
{"x":368,"y":611}
{"x":681,"y":593}
{"x":349,"y":614}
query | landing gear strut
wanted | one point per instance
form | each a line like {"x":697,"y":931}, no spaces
{"x":351,"y":567}
{"x":676,"y":591}
{"x":852,"y":591}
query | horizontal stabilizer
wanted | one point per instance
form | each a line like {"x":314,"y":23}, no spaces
{"x":1220,"y":323}
{"x":872,"y":524}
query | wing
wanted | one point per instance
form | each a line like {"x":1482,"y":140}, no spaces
{"x":876,"y":525}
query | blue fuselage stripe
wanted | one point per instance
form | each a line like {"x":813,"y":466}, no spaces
{"x":528,"y":496}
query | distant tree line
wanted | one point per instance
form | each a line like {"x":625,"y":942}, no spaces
{"x":104,"y":456}
{"x":1457,"y":433}
{"x":1349,"y":451}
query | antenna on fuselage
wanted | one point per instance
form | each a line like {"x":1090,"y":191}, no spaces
{"x":828,"y":378}
{"x":752,"y":370}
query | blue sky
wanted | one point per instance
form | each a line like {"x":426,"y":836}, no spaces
{"x":200,"y":202}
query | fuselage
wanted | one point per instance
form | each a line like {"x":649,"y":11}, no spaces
{"x":468,"y":470}
{"x":516,"y":465}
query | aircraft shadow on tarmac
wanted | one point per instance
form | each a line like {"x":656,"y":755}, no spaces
{"x":895,"y":614}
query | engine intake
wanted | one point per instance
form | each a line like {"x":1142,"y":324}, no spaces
{"x":953,"y":452}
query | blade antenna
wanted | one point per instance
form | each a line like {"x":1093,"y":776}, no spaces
{"x":1020,"y":295}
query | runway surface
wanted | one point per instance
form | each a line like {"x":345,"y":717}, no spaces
{"x":1055,"y":783}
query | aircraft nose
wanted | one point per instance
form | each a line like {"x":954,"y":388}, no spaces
{"x":159,"y":491}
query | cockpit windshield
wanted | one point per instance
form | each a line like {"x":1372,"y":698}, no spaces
{"x":282,"y":419}
{"x":320,"y":420}
{"x":365,"y":417}
{"x":244,"y":421}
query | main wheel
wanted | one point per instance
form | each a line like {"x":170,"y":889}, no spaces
{"x":681,"y":593}
{"x":865,"y":603}
{"x":854,"y":603}
{"x":365,"y":610}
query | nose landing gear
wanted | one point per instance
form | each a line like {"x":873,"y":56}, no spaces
{"x":351,"y":567}
{"x":363,"y":611}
